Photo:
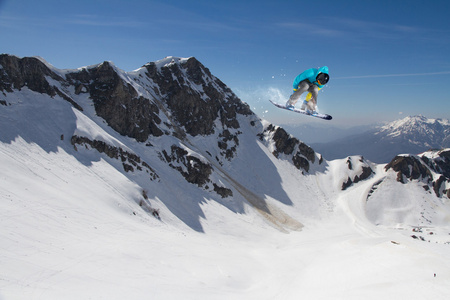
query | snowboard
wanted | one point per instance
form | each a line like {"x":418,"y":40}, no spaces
{"x":316,"y":115}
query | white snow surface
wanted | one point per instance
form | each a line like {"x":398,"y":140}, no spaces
{"x":71,"y":224}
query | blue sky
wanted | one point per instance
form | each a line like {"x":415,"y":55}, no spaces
{"x":387,"y":59}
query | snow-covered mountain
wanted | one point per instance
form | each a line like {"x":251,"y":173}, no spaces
{"x":413,"y":134}
{"x":166,"y":125}
{"x":161,"y":183}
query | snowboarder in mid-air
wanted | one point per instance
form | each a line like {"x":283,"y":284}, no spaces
{"x":311,"y":80}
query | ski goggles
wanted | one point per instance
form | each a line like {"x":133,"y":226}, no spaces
{"x":322,"y":78}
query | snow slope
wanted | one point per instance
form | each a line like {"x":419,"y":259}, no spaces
{"x":75,"y":225}
{"x":69,"y":231}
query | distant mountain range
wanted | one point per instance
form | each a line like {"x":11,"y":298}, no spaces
{"x":323,"y":132}
{"x":413,"y":134}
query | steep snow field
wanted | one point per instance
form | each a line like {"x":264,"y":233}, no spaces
{"x":70,"y":231}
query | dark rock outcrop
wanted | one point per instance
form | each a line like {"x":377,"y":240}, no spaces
{"x":196,"y":109}
{"x":302,"y":154}
{"x":365,"y":173}
{"x":193,"y":169}
{"x":30,"y":72}
{"x":421,"y":168}
{"x":409,"y":167}
{"x":441,"y":164}
{"x":130,"y":161}
{"x":117,"y":102}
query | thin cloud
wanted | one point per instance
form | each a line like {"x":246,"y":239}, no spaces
{"x":356,"y":30}
{"x":393,"y":75}
{"x":17,"y":22}
{"x":313,"y":29}
{"x":380,"y":29}
{"x":93,"y":20}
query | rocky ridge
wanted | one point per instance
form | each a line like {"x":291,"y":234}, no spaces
{"x":432,"y":168}
{"x":171,"y":108}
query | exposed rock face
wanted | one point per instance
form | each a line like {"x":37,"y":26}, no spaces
{"x":130,"y":161}
{"x":194,"y":97}
{"x":196,"y":108}
{"x":422,"y":168}
{"x":409,"y":167}
{"x":227,"y":137}
{"x":117,"y":102}
{"x":362,"y":171}
{"x":193,"y":169}
{"x":302,"y":154}
{"x":30,"y":72}
{"x":440,"y":164}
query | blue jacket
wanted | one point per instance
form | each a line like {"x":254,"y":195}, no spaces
{"x":310,"y":75}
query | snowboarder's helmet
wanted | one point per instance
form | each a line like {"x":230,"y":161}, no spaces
{"x":322,"y":78}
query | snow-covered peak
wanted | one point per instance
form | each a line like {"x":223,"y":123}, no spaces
{"x":49,"y":65}
{"x":433,"y":154}
{"x":414,"y":120}
{"x":413,"y":124}
{"x":62,"y":72}
{"x":169,"y":60}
